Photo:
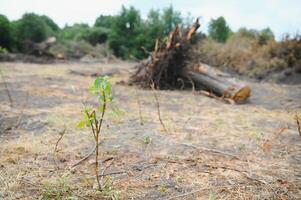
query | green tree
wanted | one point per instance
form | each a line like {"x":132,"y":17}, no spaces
{"x":170,"y":19}
{"x":74,"y":32}
{"x":96,"y":35}
{"x":105,"y":21}
{"x":77,"y":32}
{"x":31,"y":27}
{"x":126,"y":37}
{"x":248,"y":33}
{"x":5,"y":34}
{"x":265,"y":35}
{"x":262,"y":36}
{"x":50,"y":23}
{"x":154,"y":29}
{"x":219,"y":30}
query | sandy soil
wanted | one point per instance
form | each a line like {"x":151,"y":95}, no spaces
{"x":211,"y":150}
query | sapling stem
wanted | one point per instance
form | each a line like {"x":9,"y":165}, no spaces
{"x":98,"y":127}
{"x":102,"y":88}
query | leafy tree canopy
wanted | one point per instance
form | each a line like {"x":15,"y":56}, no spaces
{"x":219,"y":30}
{"x":5,"y":35}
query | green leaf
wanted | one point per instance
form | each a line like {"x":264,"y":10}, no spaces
{"x":92,"y":89}
{"x":81,"y":124}
{"x":100,"y":109}
{"x":102,"y":88}
{"x":147,"y":140}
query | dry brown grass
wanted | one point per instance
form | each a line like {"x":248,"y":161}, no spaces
{"x":172,"y":166}
{"x":244,"y":55}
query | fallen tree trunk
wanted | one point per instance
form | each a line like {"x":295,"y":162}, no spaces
{"x":168,"y":67}
{"x":217,"y":82}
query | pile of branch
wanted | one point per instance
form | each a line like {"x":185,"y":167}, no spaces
{"x":166,"y":63}
{"x":40,"y":49}
{"x":169,"y":67}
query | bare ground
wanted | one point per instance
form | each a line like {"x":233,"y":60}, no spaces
{"x":211,"y":150}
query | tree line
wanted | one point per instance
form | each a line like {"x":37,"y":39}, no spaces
{"x":127,"y":34}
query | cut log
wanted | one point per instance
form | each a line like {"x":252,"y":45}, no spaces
{"x":219,"y":83}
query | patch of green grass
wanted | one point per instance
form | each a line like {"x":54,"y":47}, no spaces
{"x":147,"y":140}
{"x":108,"y":191}
{"x":163,"y":189}
{"x":256,"y":135}
{"x":57,"y":191}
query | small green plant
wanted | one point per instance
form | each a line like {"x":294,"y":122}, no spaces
{"x":147,"y":140}
{"x":163,"y":189}
{"x":102,"y":88}
{"x":59,"y":189}
{"x":108,"y":190}
{"x":256,"y":135}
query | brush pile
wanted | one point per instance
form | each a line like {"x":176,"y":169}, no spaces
{"x":169,"y":67}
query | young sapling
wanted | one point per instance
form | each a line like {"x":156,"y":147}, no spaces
{"x":93,"y":117}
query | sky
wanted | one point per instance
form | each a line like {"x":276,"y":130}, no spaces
{"x":282,"y":16}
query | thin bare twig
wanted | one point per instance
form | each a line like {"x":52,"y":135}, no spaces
{"x":62,"y":133}
{"x":245,"y":173}
{"x":192,"y":84}
{"x":139,"y":107}
{"x":213,"y":150}
{"x":112,"y":173}
{"x":146,"y":51}
{"x":268,"y":143}
{"x":158,"y":107}
{"x":7,"y":90}
{"x":22,"y":112}
{"x":84,"y":158}
{"x":106,"y":167}
{"x":298,"y":120}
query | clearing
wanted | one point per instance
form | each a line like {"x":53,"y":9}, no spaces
{"x":211,"y":150}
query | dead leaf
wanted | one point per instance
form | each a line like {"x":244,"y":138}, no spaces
{"x":266,"y":146}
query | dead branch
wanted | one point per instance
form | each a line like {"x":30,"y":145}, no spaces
{"x":213,"y":151}
{"x":139,"y":108}
{"x":84,"y":158}
{"x":6,"y":89}
{"x":112,"y":173}
{"x":298,"y":120}
{"x":268,"y":143}
{"x":245,"y":173}
{"x":88,"y":156}
{"x":22,"y":112}
{"x":158,"y":107}
{"x":106,"y":167}
{"x":61,"y":133}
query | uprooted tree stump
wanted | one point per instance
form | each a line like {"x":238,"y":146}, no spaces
{"x":40,"y":49}
{"x":169,"y":67}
